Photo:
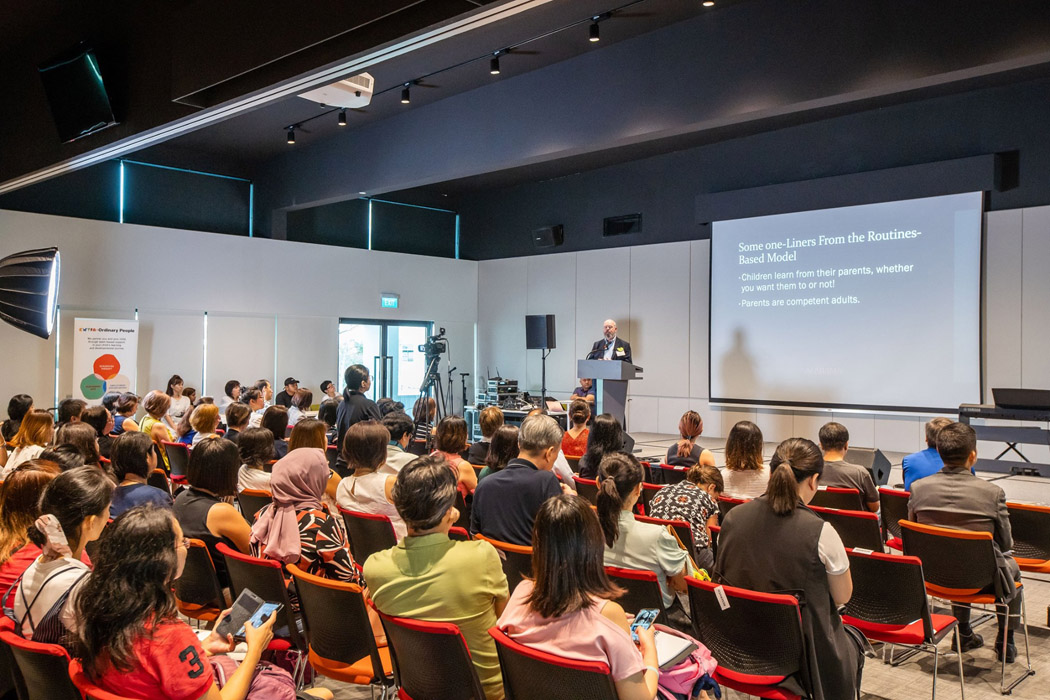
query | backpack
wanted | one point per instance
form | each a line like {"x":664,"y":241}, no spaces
{"x":691,"y":675}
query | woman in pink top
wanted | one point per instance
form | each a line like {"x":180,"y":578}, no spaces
{"x":566,"y":610}
{"x":451,"y":439}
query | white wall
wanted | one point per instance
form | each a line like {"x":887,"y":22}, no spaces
{"x":659,"y":296}
{"x":265,"y":299}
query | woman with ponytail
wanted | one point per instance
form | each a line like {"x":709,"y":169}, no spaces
{"x":633,"y":545}
{"x":775,"y":544}
{"x":685,"y":452}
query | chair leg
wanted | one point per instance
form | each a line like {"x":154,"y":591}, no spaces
{"x":1007,"y":689}
{"x":936,"y":659}
{"x":958,"y":659}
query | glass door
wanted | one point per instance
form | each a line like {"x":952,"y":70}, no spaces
{"x":390,"y":351}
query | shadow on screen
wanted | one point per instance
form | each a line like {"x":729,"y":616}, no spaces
{"x":738,"y":368}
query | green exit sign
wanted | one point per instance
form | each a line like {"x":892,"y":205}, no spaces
{"x":389,"y":301}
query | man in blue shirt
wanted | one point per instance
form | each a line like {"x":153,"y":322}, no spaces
{"x":922,"y":464}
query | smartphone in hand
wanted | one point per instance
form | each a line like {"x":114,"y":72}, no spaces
{"x":643,"y":620}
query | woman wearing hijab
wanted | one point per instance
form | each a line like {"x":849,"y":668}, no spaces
{"x":296,"y":528}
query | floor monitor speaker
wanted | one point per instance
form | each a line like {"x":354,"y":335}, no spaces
{"x":872,"y":459}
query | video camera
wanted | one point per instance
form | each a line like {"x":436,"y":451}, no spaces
{"x":435,"y":345}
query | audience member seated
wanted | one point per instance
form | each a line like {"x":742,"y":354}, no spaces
{"x":630,"y":544}
{"x":585,"y":390}
{"x":253,"y":399}
{"x":505,"y":504}
{"x":180,"y":403}
{"x":69,"y":411}
{"x":310,"y":433}
{"x":954,"y":497}
{"x":424,"y":411}
{"x":567,"y":608}
{"x":256,"y":451}
{"x":34,"y":434}
{"x":606,"y":437}
{"x":502,"y":449}
{"x":133,"y":459}
{"x":296,"y":528}
{"x":355,"y":406}
{"x":202,"y":510}
{"x":265,"y":390}
{"x":82,"y":436}
{"x":231,"y":394}
{"x":561,"y":468}
{"x":237,"y":415}
{"x":137,"y":646}
{"x":489,"y":420}
{"x":65,"y":456}
{"x":74,"y":509}
{"x":17,"y":408}
{"x":301,"y":402}
{"x":838,"y":473}
{"x":19,"y":509}
{"x":124,"y":415}
{"x":184,"y":431}
{"x":156,"y":407}
{"x":429,"y":577}
{"x":387,"y":405}
{"x":368,"y":489}
{"x":328,"y":413}
{"x":275,"y":419}
{"x":328,"y":391}
{"x":450,"y":439}
{"x":284,"y":397}
{"x":205,"y":422}
{"x":694,"y":500}
{"x":102,"y":421}
{"x":191,"y":394}
{"x":574,"y":442}
{"x":399,"y":431}
{"x":774,"y":544}
{"x":686,"y":453}
{"x":109,"y":400}
{"x":919,"y":465}
{"x":745,"y":476}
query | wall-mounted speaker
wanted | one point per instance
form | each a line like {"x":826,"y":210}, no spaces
{"x":548,"y":236}
{"x":872,"y":459}
{"x":539,"y":332}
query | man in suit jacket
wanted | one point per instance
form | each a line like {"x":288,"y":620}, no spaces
{"x":954,"y":497}
{"x":610,"y":347}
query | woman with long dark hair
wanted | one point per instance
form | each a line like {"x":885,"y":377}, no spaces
{"x":180,"y":403}
{"x":503,"y":448}
{"x":745,"y":476}
{"x":275,"y":419}
{"x":568,"y":607}
{"x":130,"y":638}
{"x":775,"y":544}
{"x":450,"y":438}
{"x":606,"y":437}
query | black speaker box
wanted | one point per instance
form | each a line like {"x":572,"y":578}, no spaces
{"x":872,"y":459}
{"x":548,"y":236}
{"x":539,"y":332}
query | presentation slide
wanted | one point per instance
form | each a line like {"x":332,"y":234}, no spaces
{"x":873,"y":306}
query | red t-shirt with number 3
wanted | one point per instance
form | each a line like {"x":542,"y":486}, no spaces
{"x":170,"y":664}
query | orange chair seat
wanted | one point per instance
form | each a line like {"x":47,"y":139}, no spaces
{"x":963,"y":595}
{"x":197,"y":611}
{"x":908,"y":634}
{"x":358,"y":673}
{"x":1033,"y":566}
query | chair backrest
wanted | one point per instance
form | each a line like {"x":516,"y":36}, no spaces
{"x":1030,"y":526}
{"x":574,"y":463}
{"x":835,"y":497}
{"x":516,"y":560}
{"x":888,"y":589}
{"x":893,"y":504}
{"x":648,"y":491}
{"x":448,"y":672}
{"x":264,"y":578}
{"x":368,"y":533}
{"x":672,"y":474}
{"x":682,"y":529}
{"x":587,"y":488}
{"x":198,"y":591}
{"x":332,"y":452}
{"x":529,"y":674}
{"x":178,"y":458}
{"x":252,"y":501}
{"x":726,"y":504}
{"x":757,"y":639}
{"x":158,"y":479}
{"x":417,"y":447}
{"x":856,"y":528}
{"x":89,"y":689}
{"x":941,"y":549}
{"x":642,"y":590}
{"x":463,"y":505}
{"x":336,"y":619}
{"x":43,"y":667}
{"x":715,"y":531}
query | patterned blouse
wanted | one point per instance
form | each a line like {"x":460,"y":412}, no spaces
{"x":325,"y":551}
{"x":685,"y":501}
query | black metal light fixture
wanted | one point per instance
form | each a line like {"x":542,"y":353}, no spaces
{"x":494,"y":65}
{"x":406,"y":98}
{"x":291,"y":135}
{"x":342,"y":117}
{"x":29,"y":290}
{"x":595,"y":32}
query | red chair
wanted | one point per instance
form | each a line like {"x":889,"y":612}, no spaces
{"x":331,"y":452}
{"x":458,"y":533}
{"x":856,"y":528}
{"x":893,"y":505}
{"x":671,"y":474}
{"x":529,"y":674}
{"x":178,"y":456}
{"x":648,"y":491}
{"x":587,"y":488}
{"x":516,"y":560}
{"x":463,"y":505}
{"x":159,"y":479}
{"x":642,"y":590}
{"x":726,"y":504}
{"x":43,"y":669}
{"x":1030,"y":527}
{"x":715,"y":531}
{"x":252,"y":501}
{"x":835,"y":497}
{"x":89,"y":689}
{"x":682,"y":529}
{"x":368,"y":533}
{"x":757,"y":640}
{"x":448,"y":673}
{"x":198,"y":593}
{"x":889,"y":605}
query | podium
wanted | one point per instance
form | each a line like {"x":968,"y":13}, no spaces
{"x":610,"y":391}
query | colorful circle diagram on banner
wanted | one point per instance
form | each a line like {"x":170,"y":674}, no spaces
{"x":106,"y":368}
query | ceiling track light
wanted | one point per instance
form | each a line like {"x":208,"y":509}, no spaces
{"x":291,"y":135}
{"x":342,"y":117}
{"x":406,"y":98}
{"x":494,"y":65}
{"x":595,"y":32}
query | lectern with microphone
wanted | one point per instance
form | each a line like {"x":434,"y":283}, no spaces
{"x":611,"y":391}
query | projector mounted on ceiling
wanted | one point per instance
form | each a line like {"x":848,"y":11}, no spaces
{"x":351,"y":93}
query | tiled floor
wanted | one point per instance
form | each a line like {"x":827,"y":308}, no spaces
{"x":912,"y":679}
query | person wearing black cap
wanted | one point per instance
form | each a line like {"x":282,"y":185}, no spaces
{"x":291,"y":385}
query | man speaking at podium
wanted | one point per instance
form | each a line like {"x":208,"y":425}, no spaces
{"x":610,"y":347}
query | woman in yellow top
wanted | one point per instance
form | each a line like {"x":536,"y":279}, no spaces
{"x":156,"y":405}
